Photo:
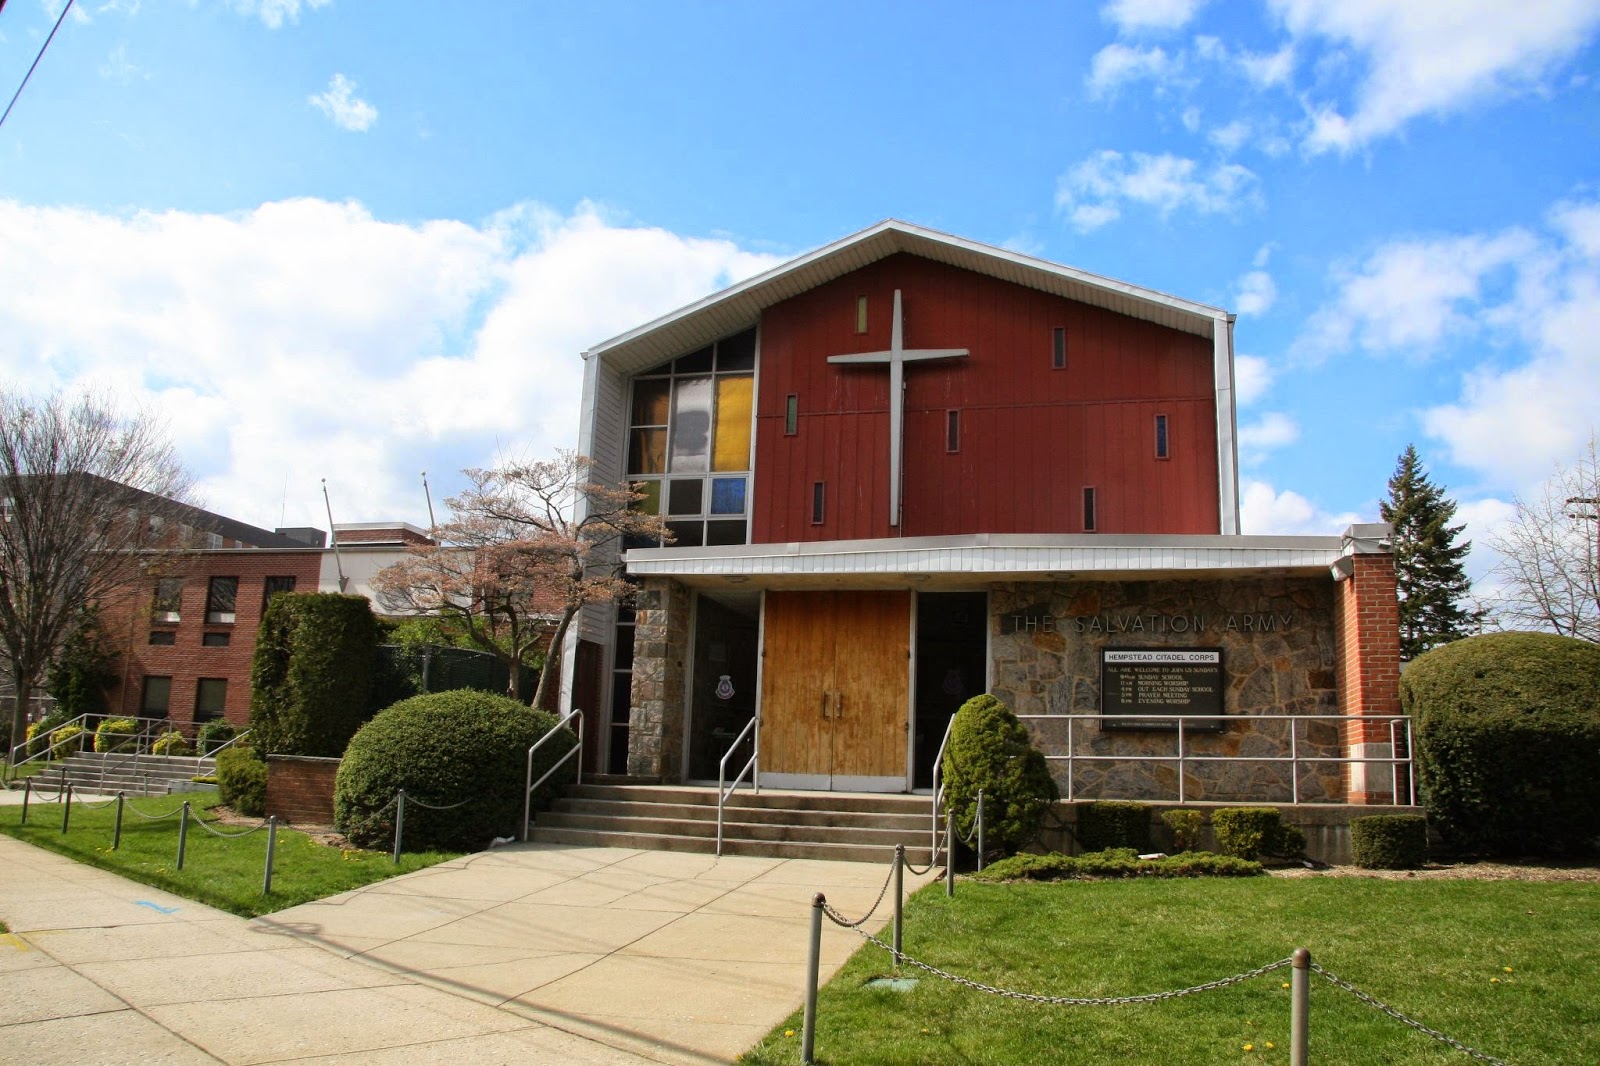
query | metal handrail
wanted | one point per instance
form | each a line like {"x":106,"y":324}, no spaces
{"x":938,"y":786}
{"x":527,"y":795}
{"x":1185,"y":756}
{"x":146,"y":729}
{"x":722,"y":771}
{"x":141,"y":740}
{"x":199,"y":756}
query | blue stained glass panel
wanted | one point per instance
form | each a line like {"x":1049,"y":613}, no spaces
{"x":727,"y":495}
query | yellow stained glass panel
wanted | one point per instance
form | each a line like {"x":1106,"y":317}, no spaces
{"x":732,"y":448}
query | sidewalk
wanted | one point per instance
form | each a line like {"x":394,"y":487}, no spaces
{"x":524,"y":954}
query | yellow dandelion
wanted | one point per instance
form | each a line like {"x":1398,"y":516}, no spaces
{"x":1509,"y":970}
{"x":1249,"y":1047}
{"x":788,"y":1032}
{"x":1270,"y":1045}
{"x":1494,"y":980}
{"x":1286,"y":984}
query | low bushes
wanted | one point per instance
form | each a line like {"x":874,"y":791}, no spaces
{"x":1185,"y":827}
{"x":171,"y":742}
{"x":1113,"y":824}
{"x":1389,"y":841}
{"x":242,"y":781}
{"x":1116,"y":862}
{"x":213,"y":735}
{"x":114,"y":734}
{"x":1250,"y":832}
{"x":991,"y":751}
{"x":445,"y":748}
{"x":37,"y":730}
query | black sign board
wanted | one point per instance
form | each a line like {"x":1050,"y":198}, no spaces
{"x":1142,"y":688}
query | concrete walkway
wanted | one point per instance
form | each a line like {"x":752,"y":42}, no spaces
{"x":524,"y":954}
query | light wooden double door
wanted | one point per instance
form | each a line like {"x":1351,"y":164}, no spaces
{"x":835,"y":690}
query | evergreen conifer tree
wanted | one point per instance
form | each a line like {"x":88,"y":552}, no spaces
{"x":1428,"y":562}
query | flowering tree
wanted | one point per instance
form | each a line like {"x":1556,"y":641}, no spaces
{"x":528,"y":545}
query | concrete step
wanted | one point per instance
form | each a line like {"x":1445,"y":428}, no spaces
{"x":774,"y":849}
{"x":788,"y":824}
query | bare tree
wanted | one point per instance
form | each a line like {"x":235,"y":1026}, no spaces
{"x":528,"y":546}
{"x":1550,"y":554}
{"x":84,"y":493}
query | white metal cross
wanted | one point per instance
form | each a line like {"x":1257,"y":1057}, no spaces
{"x":897,"y":357}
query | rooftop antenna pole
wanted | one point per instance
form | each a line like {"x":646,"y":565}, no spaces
{"x":432,"y":525}
{"x":338,"y":560}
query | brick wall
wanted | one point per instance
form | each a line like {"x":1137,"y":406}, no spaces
{"x":300,"y":789}
{"x":1368,"y":636}
{"x":128,"y":624}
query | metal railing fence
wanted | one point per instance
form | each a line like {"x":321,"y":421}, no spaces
{"x":1402,"y":774}
{"x":724,"y":790}
{"x":531,"y":784}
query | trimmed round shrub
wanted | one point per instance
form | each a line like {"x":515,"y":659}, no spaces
{"x":171,"y":742}
{"x":1250,"y":832}
{"x":67,"y":740}
{"x":213,"y":735}
{"x":443,"y":748}
{"x":1113,"y":824}
{"x":242,"y":781}
{"x":36,"y":731}
{"x":1507,"y":729}
{"x":114,"y":734}
{"x":990,"y":750}
{"x":1389,"y":841}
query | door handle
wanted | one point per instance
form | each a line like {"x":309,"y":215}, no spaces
{"x":838,"y":704}
{"x":826,"y":695}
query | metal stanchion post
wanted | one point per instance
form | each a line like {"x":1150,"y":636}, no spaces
{"x":980,"y":829}
{"x":66,"y":809}
{"x":27,"y":794}
{"x":899,"y":896}
{"x":183,"y":832}
{"x":116,"y":827}
{"x":1300,"y":1007}
{"x":949,"y":853}
{"x":272,"y":843}
{"x":399,"y":822}
{"x":61,"y":786}
{"x":808,"y":1030}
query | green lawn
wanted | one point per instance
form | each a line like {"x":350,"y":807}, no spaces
{"x":1437,"y":950}
{"x":225,"y":873}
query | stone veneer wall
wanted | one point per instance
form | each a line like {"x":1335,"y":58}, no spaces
{"x":1286,"y":666}
{"x":660,"y":650}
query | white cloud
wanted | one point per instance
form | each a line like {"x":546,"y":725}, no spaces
{"x":118,"y":67}
{"x":1091,"y":193}
{"x":1257,"y":293}
{"x":343,"y":107}
{"x":1252,"y":376}
{"x":1272,"y":430}
{"x":306,"y":339}
{"x":1412,"y":295}
{"x":1230,"y":138}
{"x":1431,"y":58}
{"x":1264,"y":510}
{"x":1117,"y":64}
{"x":1190,"y":117}
{"x":1134,"y":16}
{"x":1268,"y":69}
{"x":274,"y":13}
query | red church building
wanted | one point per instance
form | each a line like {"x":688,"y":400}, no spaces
{"x":908,"y":468}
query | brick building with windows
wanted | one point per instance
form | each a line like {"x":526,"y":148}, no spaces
{"x":908,"y":468}
{"x":186,"y":637}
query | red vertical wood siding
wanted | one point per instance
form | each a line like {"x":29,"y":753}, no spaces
{"x":1032,"y":437}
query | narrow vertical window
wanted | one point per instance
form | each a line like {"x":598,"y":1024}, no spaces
{"x":816,"y":503}
{"x":1088,"y":511}
{"x":1058,"y":348}
{"x":952,"y":431}
{"x":791,"y":415}
{"x":1161,"y":436}
{"x":861,"y":314}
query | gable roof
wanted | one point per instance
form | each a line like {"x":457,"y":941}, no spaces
{"x":739,"y":306}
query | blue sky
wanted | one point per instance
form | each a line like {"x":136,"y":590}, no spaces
{"x":353,"y":240}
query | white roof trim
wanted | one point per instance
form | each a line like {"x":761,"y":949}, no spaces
{"x":745,"y":300}
{"x":993,"y":557}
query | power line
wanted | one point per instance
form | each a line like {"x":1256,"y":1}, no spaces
{"x":59,"y":19}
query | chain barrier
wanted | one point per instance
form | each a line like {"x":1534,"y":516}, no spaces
{"x":839,"y":919}
{"x":933,"y":860}
{"x":94,"y":806}
{"x":128,"y":805}
{"x":410,"y":799}
{"x":1074,"y":1001}
{"x":201,"y":822}
{"x":1374,"y":1002}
